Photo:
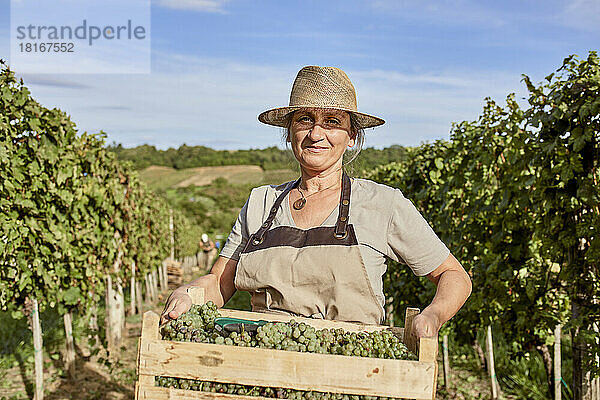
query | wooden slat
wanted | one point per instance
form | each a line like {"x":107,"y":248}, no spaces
{"x":160,"y":393}
{"x":428,"y":349}
{"x":150,"y":332}
{"x":409,"y":339}
{"x":278,"y":368}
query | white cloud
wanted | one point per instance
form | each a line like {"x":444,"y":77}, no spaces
{"x":459,"y":12}
{"x":211,"y":6}
{"x":581,"y":15}
{"x":215,"y":102}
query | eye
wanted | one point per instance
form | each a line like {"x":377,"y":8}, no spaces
{"x":304,"y":119}
{"x":333,"y":121}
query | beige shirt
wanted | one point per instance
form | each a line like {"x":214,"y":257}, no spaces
{"x":386,"y":224}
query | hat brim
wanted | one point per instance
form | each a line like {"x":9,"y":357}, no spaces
{"x":279,"y":116}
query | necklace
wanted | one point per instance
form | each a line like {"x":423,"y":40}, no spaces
{"x":301,"y":202}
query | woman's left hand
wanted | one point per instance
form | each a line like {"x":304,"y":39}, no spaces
{"x":425,"y":325}
{"x":453,"y":289}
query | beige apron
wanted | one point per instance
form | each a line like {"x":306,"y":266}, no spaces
{"x":316,"y":272}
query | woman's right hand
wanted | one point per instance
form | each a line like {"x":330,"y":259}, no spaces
{"x":217,"y":284}
{"x":178,"y":302}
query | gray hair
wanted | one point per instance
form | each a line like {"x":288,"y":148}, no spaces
{"x":355,"y":128}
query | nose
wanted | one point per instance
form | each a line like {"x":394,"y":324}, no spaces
{"x":316,"y":133}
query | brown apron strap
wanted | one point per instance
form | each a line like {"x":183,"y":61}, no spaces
{"x":259,"y":236}
{"x":342,"y":222}
{"x":341,"y":226}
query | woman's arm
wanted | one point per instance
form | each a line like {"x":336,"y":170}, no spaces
{"x":217,"y":284}
{"x":453,"y":288}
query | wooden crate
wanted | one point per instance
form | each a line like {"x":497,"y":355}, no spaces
{"x":280,"y":368}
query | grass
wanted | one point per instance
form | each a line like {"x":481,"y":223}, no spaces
{"x":163,"y":178}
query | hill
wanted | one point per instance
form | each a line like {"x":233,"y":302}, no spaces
{"x":161,"y":178}
{"x":268,"y":159}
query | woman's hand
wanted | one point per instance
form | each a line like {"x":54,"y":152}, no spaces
{"x":425,"y":325}
{"x":453,"y":289}
{"x":178,"y":303}
{"x":217,"y":284}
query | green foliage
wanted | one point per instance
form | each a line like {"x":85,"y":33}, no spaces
{"x":70,"y":212}
{"x":515,"y":195}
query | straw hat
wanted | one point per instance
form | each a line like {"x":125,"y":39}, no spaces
{"x":320,"y":87}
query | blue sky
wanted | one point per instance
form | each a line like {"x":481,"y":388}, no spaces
{"x":216,"y":64}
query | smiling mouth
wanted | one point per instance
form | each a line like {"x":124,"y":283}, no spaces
{"x":316,"y":148}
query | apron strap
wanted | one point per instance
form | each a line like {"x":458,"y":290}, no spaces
{"x":260,"y":234}
{"x":341,"y":225}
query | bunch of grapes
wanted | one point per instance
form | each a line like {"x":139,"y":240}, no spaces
{"x":198,"y":325}
{"x":301,"y":337}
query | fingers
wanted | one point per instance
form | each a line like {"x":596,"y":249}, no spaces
{"x":180,"y":307}
{"x":423,"y":327}
{"x":176,"y":305}
{"x":423,"y":330}
{"x":164,"y":317}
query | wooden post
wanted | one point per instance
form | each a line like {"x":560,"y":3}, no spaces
{"x":490,"y":361}
{"x":557,"y":363}
{"x":138,"y":296}
{"x":166,"y":275}
{"x":148,"y":297}
{"x":114,"y":316}
{"x":132,"y":290}
{"x":446,"y":361}
{"x":37,"y":350}
{"x":161,"y":279}
{"x":153,"y":285}
{"x":109,"y":314}
{"x":70,"y":346}
{"x":164,"y":286}
{"x":120,"y":310}
{"x":390,"y":311}
{"x":171,"y":229}
{"x":93,"y":323}
{"x":155,"y":282}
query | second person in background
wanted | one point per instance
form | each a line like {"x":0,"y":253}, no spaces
{"x":207,"y":253}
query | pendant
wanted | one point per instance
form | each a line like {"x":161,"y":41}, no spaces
{"x":299,"y":204}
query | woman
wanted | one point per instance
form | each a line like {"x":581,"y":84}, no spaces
{"x":316,"y":247}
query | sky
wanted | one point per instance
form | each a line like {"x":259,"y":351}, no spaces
{"x":216,"y":64}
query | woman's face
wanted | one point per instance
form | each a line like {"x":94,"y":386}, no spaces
{"x":319,"y":137}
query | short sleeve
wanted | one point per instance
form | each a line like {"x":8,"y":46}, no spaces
{"x":238,"y":237}
{"x":411,"y":239}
